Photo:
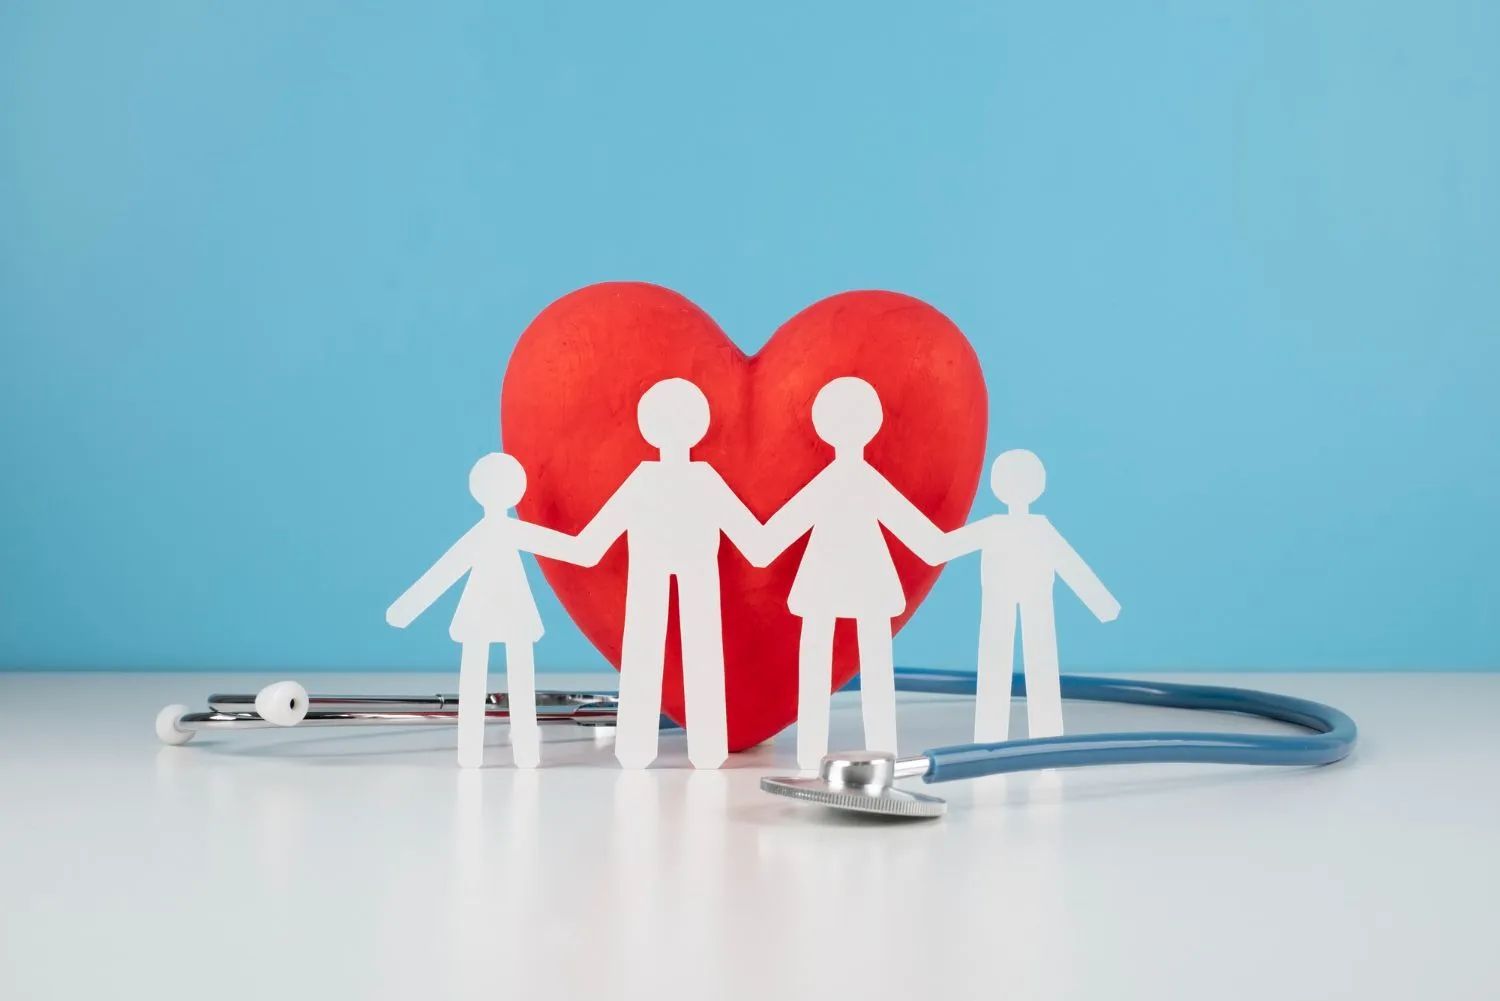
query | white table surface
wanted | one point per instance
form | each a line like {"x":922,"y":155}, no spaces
{"x":364,"y":864}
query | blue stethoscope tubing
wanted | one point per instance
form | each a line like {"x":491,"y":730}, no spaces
{"x":1330,"y":734}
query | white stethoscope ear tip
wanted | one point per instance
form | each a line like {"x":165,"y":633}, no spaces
{"x":283,"y":703}
{"x":167,"y":729}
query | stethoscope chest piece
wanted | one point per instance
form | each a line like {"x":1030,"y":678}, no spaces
{"x":862,"y":781}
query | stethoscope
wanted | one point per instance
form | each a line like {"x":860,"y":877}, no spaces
{"x":862,"y":781}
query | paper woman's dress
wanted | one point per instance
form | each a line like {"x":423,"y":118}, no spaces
{"x":496,"y":606}
{"x":846,"y":570}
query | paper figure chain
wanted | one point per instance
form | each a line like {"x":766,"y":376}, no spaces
{"x":672,"y":511}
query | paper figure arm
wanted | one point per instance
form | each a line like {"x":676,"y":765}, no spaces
{"x":791,"y":522}
{"x":738,"y":522}
{"x":907,"y":523}
{"x":1084,"y":582}
{"x":548,"y":542}
{"x":609,"y":523}
{"x":439,"y":577}
{"x":963,"y":540}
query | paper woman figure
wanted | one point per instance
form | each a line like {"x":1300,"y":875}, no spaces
{"x":496,"y":607}
{"x":671,"y":512}
{"x":846,"y":570}
{"x":1021,"y":556}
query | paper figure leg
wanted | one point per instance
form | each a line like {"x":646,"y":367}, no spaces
{"x":814,"y":685}
{"x":997,"y":655}
{"x":520,"y":680}
{"x":703,"y":669}
{"x":877,"y":684}
{"x":1044,"y":716}
{"x":641,"y":656}
{"x":473,"y":678}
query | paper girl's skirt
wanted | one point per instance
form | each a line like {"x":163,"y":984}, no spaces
{"x":497,"y":607}
{"x":847,"y":573}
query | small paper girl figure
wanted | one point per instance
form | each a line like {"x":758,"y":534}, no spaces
{"x":1021,"y":554}
{"x":496,"y":607}
{"x":846,"y":570}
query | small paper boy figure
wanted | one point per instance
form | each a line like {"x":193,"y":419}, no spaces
{"x":496,"y":607}
{"x":1021,"y":554}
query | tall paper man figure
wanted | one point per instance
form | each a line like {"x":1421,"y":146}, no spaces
{"x":1021,"y":555}
{"x":671,"y":512}
{"x":846,"y":570}
{"x":496,"y":607}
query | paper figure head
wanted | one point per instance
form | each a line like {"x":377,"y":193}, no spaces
{"x":846,"y":413}
{"x":1018,"y":477}
{"x":497,"y":481}
{"x":673,"y":414}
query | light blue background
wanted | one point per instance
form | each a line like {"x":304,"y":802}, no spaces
{"x":1231,"y":267}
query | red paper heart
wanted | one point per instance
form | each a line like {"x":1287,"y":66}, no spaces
{"x":568,"y":413}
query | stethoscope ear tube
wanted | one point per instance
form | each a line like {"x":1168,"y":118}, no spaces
{"x":1331,"y":738}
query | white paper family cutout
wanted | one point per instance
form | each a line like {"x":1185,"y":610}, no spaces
{"x":672,"y":510}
